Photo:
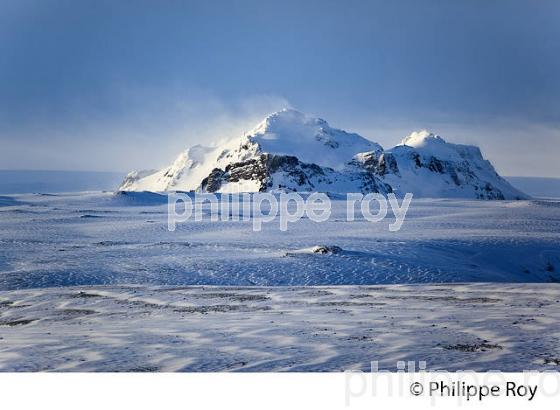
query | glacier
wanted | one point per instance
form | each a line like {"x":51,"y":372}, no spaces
{"x":119,"y":238}
{"x":95,"y":281}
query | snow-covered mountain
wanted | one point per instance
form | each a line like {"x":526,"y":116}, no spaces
{"x":293,"y":152}
{"x":428,"y":166}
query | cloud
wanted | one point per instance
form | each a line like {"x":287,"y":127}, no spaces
{"x":138,"y":128}
{"x":141,"y":127}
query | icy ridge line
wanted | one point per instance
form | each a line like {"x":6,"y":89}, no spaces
{"x":291,"y":151}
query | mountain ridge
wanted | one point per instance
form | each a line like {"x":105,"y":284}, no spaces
{"x":290,"y":151}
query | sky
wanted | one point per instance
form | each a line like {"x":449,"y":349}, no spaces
{"x":120,"y":85}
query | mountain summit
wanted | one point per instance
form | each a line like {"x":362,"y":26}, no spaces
{"x":291,"y":151}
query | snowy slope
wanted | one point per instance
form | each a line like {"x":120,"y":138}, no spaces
{"x":482,"y":327}
{"x":311,"y":140}
{"x":294,"y":152}
{"x":428,"y":166}
{"x":287,"y":150}
{"x":105,"y":238}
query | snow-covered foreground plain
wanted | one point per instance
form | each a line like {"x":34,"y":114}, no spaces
{"x":81,"y":280}
{"x":102,"y":238}
{"x":509,"y":327}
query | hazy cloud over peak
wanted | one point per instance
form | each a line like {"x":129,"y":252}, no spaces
{"x":116,"y":85}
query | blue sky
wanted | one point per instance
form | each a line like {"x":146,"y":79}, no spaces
{"x":115,"y":85}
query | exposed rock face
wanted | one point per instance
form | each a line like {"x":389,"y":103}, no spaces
{"x":378,"y":163}
{"x":291,"y":152}
{"x":213,"y":182}
{"x":430,"y":167}
{"x":287,"y":173}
